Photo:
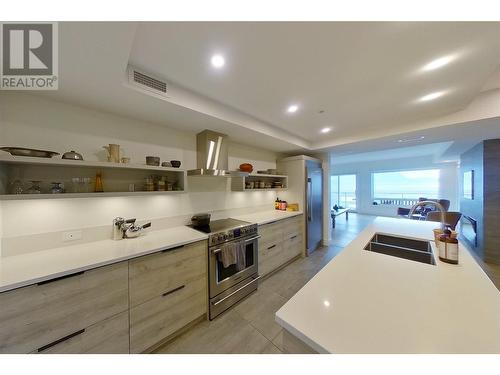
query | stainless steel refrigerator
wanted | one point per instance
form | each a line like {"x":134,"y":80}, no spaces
{"x":314,"y":205}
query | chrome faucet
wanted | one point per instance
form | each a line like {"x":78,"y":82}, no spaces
{"x":425,"y":203}
{"x":126,"y":228}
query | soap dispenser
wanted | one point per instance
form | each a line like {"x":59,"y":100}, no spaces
{"x":448,"y":247}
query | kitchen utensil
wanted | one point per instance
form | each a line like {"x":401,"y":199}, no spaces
{"x":113,"y":152}
{"x":34,"y":188}
{"x":57,"y":188}
{"x":153,"y":160}
{"x":21,"y":151}
{"x":175,"y":163}
{"x":246,"y":167}
{"x":72,"y":155}
{"x":134,"y":231}
{"x":201,"y":220}
{"x":166,"y":164}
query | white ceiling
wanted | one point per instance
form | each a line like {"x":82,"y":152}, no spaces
{"x":434,"y":150}
{"x":365,"y":76}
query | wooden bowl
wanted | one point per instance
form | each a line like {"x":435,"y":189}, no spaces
{"x":245,"y":167}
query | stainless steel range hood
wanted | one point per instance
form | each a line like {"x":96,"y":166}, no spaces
{"x":212,"y":155}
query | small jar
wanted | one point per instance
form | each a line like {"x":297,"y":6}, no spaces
{"x":57,"y":188}
{"x":149,"y":184}
{"x":448,"y":249}
{"x":34,"y":188}
{"x":161,"y":185}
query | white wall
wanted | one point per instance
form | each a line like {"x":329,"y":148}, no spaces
{"x":448,"y":180}
{"x":35,"y":122}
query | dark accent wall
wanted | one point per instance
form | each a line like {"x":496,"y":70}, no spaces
{"x":484,"y":160}
{"x":491,"y":193}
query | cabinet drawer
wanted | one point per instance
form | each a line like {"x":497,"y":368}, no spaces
{"x":270,"y":258}
{"x":152,"y":275}
{"x":160,"y":317}
{"x":292,"y":247}
{"x":37,"y":315}
{"x":292,"y":226}
{"x":110,"y":336}
{"x":270,"y":234}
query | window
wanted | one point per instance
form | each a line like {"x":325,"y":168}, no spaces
{"x":343,"y":190}
{"x":403,"y":188}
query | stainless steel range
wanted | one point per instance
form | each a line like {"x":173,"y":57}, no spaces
{"x":232,"y":262}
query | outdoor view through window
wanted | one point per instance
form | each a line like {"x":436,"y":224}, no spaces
{"x":405,"y":187}
{"x":344,"y":191}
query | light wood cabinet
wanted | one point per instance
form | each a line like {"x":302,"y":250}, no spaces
{"x":125,"y":307}
{"x":280,"y":242}
{"x":153,"y":275}
{"x":110,"y":336}
{"x":159,"y":318}
{"x":167,"y":292}
{"x":37,"y":315}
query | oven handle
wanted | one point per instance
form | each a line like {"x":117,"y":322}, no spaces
{"x":216,"y":251}
{"x":236,"y":291}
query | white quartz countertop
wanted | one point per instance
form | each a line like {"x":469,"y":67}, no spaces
{"x":366,"y":302}
{"x":265,"y":217}
{"x":26,"y":269}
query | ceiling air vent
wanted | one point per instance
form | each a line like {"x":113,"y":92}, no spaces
{"x":146,"y":82}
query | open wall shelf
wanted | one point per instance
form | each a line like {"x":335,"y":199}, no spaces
{"x":242,"y":183}
{"x":117,"y":177}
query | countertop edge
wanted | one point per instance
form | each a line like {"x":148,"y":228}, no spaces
{"x":91,"y":266}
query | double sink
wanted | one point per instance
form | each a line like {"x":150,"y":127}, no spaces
{"x":402,"y":247}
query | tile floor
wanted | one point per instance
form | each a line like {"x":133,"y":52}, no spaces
{"x":249,"y":327}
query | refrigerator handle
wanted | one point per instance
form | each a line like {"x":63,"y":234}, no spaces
{"x":309,"y":199}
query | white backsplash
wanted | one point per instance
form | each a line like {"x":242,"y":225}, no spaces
{"x":32,"y":121}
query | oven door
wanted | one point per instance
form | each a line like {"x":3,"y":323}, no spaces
{"x":222,"y":277}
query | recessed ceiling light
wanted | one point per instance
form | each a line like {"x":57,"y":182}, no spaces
{"x":326,"y":130}
{"x":438,"y":63}
{"x":431,"y":96}
{"x":293,"y":108}
{"x":218,"y":61}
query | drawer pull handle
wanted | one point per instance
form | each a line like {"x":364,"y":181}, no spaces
{"x":270,"y":247}
{"x":293,"y":237}
{"x":173,"y":248}
{"x":60,"y":278}
{"x":173,"y":290}
{"x":45,"y":347}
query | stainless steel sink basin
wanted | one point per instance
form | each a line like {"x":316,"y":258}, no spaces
{"x":401,"y":247}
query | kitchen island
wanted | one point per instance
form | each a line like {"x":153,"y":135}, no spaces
{"x":366,"y":302}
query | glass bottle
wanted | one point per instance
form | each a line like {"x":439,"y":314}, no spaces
{"x":98,"y":183}
{"x":16,"y":187}
{"x":34,"y":188}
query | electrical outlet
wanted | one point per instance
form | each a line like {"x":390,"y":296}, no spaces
{"x":72,"y":236}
